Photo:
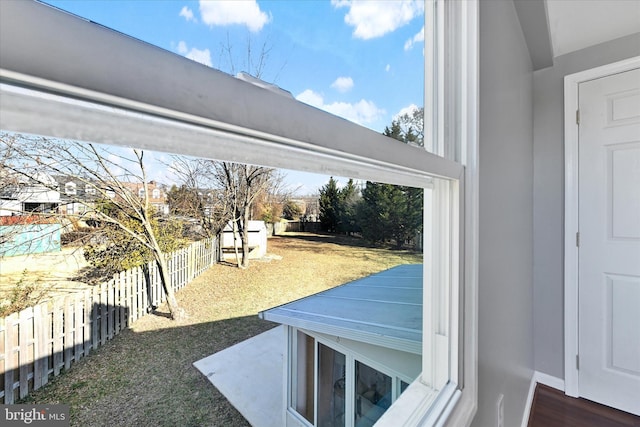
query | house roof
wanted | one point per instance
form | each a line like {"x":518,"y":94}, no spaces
{"x":383,"y":309}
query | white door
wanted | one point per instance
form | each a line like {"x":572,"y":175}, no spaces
{"x":609,"y":241}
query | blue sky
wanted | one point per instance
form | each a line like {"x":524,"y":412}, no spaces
{"x":361,"y":60}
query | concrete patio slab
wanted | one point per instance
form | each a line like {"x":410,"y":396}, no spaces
{"x":250,"y":375}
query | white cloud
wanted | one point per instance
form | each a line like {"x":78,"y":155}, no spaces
{"x":375,"y":18}
{"x":242,"y":12}
{"x":406,"y":110}
{"x":387,"y":68}
{"x":311,"y":98}
{"x":187,"y":13}
{"x":418,"y":38}
{"x":361,"y":112}
{"x":342,"y":84}
{"x":202,"y":56}
{"x":182,"y":48}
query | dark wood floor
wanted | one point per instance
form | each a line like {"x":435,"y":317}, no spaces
{"x":552,"y":408}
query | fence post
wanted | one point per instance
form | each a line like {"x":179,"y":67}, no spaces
{"x":58,"y":335}
{"x":26,"y":316}
{"x":78,"y":330}
{"x":9,"y":357}
{"x":122,"y":300}
{"x":46,"y":343}
{"x":88,"y":321}
{"x":38,"y":347}
{"x":104,"y":307}
{"x":114,"y":309}
{"x":95,"y":317}
{"x":68,"y":332}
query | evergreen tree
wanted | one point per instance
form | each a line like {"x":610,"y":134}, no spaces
{"x":349,"y":197}
{"x":330,"y":206}
{"x":389,"y":212}
{"x":373,"y":212}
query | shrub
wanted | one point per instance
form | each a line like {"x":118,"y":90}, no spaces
{"x":24,"y":294}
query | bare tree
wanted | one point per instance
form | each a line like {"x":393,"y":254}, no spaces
{"x":109,"y":174}
{"x":253,"y":61}
{"x":218,"y":193}
{"x":242,"y":184}
{"x":269,"y":204}
{"x":198,"y":195}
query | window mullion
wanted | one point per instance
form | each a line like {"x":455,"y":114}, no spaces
{"x":350,"y":390}
{"x":316,"y":381}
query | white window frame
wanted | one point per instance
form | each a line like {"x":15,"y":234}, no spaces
{"x":44,"y":90}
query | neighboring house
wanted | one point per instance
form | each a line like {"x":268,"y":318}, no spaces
{"x":519,"y":307}
{"x":308,"y":207}
{"x":77,"y":195}
{"x":24,"y":196}
{"x":66,"y":195}
{"x":211,"y":200}
{"x":361,"y":342}
{"x":157,"y":194}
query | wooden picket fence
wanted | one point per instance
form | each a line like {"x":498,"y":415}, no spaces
{"x":41,"y":341}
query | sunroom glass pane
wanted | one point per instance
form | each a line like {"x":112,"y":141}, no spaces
{"x":304,"y":399}
{"x":331,"y":387}
{"x":373,"y":395}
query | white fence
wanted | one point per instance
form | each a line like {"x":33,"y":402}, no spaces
{"x":41,"y":341}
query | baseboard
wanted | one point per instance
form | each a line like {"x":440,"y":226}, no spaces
{"x":548,"y":380}
{"x":539,"y":378}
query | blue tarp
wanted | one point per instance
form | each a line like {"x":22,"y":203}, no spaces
{"x":29,"y":239}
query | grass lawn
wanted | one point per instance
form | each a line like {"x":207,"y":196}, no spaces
{"x":145,"y":377}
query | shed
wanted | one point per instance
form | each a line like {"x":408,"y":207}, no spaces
{"x":28,"y":238}
{"x":352,"y":350}
{"x":257,"y":240}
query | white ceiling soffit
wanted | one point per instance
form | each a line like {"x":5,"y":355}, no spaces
{"x":577,"y":24}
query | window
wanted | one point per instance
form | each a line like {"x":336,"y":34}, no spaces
{"x":279,"y":132}
{"x":155,"y":193}
{"x":303,"y":399}
{"x":373,"y":395}
{"x":350,"y":391}
{"x":332,"y":370}
{"x":70,"y":189}
{"x":90,"y":189}
{"x":141,"y":193}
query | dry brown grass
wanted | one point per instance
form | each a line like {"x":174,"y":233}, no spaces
{"x":145,"y":376}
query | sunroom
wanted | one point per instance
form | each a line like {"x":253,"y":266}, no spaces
{"x":351,"y":350}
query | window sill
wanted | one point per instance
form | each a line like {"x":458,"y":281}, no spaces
{"x":420,"y":405}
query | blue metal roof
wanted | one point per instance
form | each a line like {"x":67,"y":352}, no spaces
{"x":383,"y":309}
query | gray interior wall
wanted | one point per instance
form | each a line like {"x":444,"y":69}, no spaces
{"x":548,"y":194}
{"x":505,"y":336}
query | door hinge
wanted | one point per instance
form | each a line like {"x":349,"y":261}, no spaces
{"x":577,"y":362}
{"x":577,"y":117}
{"x":578,"y":239}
